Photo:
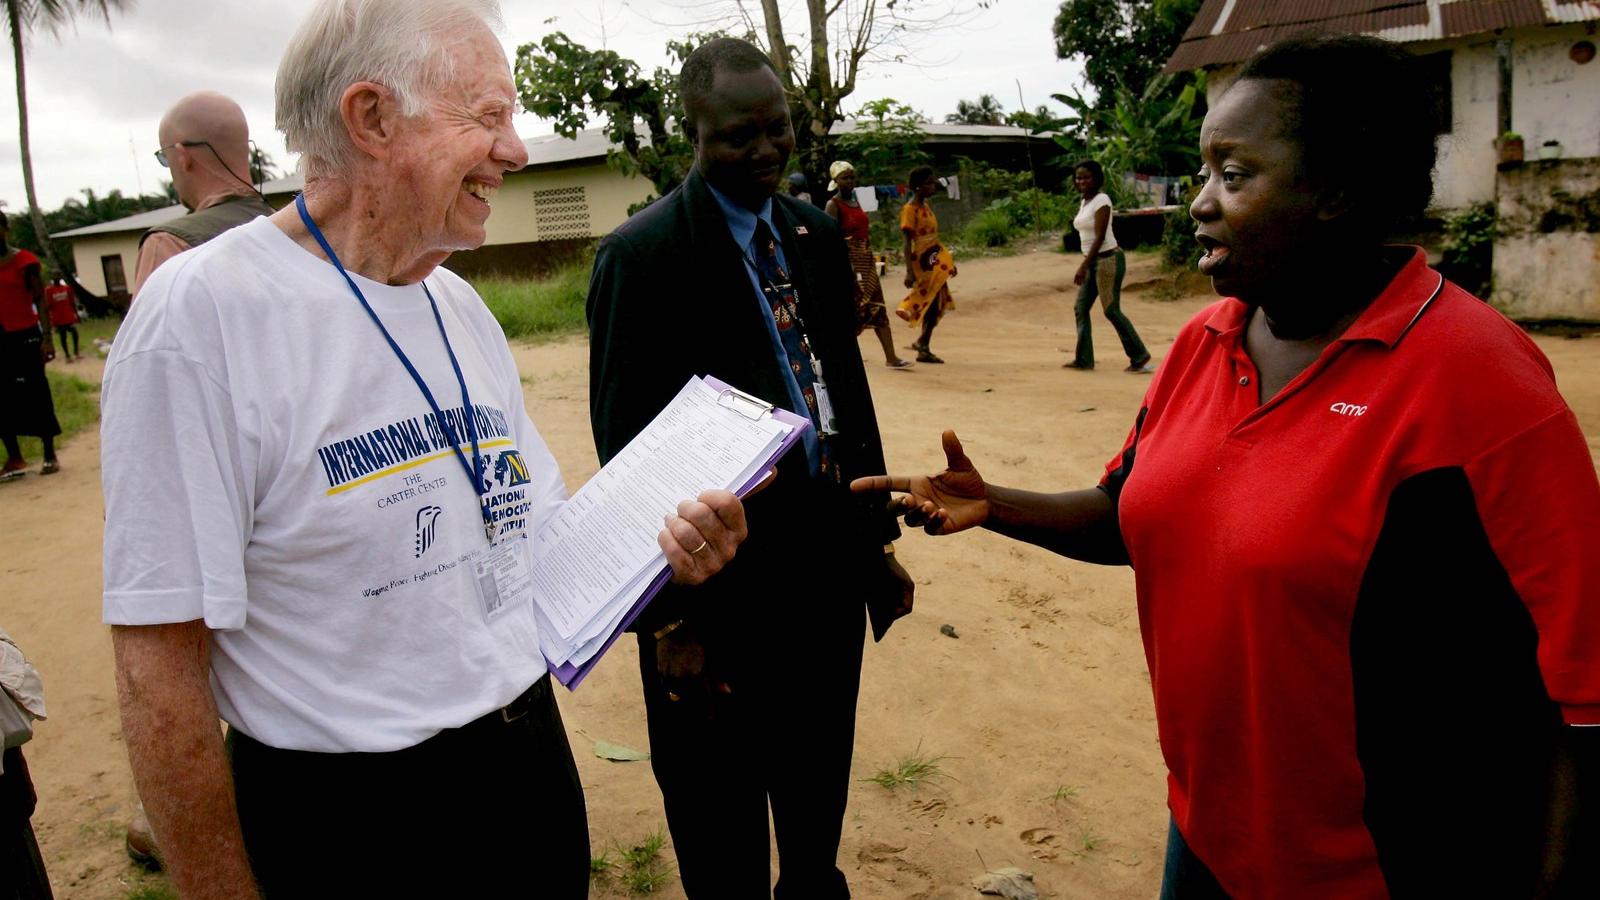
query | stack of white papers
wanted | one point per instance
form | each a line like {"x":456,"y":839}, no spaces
{"x":597,"y":563}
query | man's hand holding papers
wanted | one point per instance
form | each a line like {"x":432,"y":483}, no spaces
{"x":703,"y":535}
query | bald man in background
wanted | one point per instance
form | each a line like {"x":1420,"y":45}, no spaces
{"x":206,"y":144}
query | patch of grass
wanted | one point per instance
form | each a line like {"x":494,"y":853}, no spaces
{"x":640,"y":868}
{"x":77,"y":407}
{"x":541,"y":309}
{"x":915,"y":770}
{"x":1063,"y":792}
{"x":1089,"y":841}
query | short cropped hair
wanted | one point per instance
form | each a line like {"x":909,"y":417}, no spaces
{"x":400,"y":44}
{"x":1351,"y":96}
{"x":918,"y":176}
{"x":701,"y":67}
{"x":1095,"y":170}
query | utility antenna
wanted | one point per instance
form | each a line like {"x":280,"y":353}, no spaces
{"x":138,"y":174}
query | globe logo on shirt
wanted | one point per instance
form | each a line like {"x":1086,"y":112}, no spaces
{"x":427,"y":528}
{"x":510,"y":469}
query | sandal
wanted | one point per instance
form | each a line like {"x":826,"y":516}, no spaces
{"x":50,"y":467}
{"x":926,"y":356}
{"x":1142,"y":367}
{"x":900,"y":364}
{"x":14,"y":469}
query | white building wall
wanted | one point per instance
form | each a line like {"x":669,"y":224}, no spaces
{"x":1553,"y":97}
{"x":1467,"y":155}
{"x":88,"y":251}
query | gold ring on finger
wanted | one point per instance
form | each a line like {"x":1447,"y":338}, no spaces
{"x":703,"y":545}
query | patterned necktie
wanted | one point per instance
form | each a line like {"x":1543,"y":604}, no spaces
{"x":784,"y":302}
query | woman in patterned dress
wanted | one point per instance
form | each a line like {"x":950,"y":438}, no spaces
{"x":852,"y":219}
{"x":928,"y":263}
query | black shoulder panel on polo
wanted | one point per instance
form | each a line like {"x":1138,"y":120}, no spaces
{"x":1454,"y":728}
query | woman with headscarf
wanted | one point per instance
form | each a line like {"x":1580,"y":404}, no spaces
{"x":870,"y":309}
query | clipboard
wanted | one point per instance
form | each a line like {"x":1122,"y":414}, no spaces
{"x":740,"y":403}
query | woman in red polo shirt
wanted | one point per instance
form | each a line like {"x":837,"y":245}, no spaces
{"x":1362,"y":522}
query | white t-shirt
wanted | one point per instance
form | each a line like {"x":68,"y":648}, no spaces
{"x":270,"y":467}
{"x":1084,"y":222}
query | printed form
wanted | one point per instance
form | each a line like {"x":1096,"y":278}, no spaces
{"x":594,"y":562}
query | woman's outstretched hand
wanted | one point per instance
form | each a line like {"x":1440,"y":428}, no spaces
{"x":951,"y":501}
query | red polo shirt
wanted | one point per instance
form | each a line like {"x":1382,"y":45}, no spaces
{"x":1366,"y":603}
{"x":16,"y":304}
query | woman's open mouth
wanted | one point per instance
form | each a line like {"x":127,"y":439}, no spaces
{"x":1216,"y":254}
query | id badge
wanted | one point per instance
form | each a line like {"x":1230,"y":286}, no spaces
{"x":824,"y":408}
{"x":505,"y":577}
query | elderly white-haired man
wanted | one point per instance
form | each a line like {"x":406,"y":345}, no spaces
{"x":319,"y":482}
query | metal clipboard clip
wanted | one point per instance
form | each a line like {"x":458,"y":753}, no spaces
{"x":747,"y":405}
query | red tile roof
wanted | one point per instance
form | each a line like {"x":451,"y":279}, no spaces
{"x":1228,"y":31}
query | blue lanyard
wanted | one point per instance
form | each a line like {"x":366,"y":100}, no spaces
{"x":473,"y":468}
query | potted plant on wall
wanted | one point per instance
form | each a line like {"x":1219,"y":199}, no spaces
{"x":1510,"y":149}
{"x":1550,"y":150}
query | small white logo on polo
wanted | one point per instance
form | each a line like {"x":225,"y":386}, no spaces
{"x":1348,"y":409}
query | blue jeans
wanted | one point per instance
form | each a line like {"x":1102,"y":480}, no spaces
{"x":1185,"y":876}
{"x":1105,"y":282}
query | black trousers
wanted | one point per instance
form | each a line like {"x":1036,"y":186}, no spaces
{"x":491,"y":809}
{"x":784,"y":737}
{"x":22,"y":875}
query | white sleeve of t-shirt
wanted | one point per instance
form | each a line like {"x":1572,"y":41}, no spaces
{"x":178,"y":501}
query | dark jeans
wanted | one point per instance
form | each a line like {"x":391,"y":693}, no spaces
{"x":489,"y":809}
{"x":63,"y":331}
{"x":1105,"y":282}
{"x":783,"y":737}
{"x":1185,"y":876}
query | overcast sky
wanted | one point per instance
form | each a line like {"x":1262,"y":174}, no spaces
{"x":96,"y":95}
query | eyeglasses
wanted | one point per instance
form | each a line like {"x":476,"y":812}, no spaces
{"x":161,"y":155}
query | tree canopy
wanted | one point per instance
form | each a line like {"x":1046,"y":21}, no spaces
{"x":1123,"y":43}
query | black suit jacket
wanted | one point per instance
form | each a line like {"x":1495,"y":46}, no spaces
{"x":670,"y":298}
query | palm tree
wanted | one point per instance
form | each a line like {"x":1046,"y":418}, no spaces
{"x":985,"y":111}
{"x":50,"y":15}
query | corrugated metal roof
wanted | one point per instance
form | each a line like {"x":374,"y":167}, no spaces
{"x":137,"y":222}
{"x":1229,"y":31}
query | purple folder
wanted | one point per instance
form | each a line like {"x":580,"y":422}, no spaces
{"x":571,"y":675}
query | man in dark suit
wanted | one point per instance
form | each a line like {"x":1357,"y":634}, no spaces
{"x":750,"y":682}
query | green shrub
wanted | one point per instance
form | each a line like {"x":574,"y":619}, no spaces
{"x":1032,"y":209}
{"x":990,"y":228}
{"x":1180,"y":252}
{"x":545,"y":308}
{"x":1469,"y":248}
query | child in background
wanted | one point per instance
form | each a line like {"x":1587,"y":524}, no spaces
{"x":63,"y":315}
